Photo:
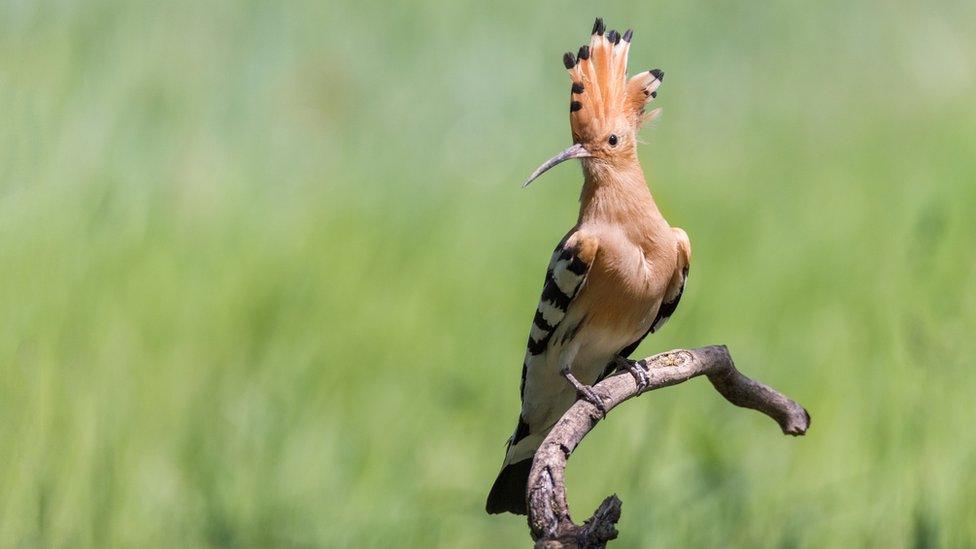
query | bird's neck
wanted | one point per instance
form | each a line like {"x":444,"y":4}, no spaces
{"x":618,"y":194}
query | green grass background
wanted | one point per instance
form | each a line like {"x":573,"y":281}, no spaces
{"x":266,"y":271}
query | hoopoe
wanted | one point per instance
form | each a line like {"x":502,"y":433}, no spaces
{"x":615,"y":277}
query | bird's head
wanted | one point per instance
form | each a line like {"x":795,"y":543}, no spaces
{"x":606,"y":109}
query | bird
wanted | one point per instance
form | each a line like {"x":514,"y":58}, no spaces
{"x":615,"y":277}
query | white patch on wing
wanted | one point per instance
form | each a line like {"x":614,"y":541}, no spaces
{"x":551,"y":313}
{"x":537,"y":333}
{"x":566,"y":280}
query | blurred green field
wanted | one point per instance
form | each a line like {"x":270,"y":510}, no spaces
{"x":266,"y":271}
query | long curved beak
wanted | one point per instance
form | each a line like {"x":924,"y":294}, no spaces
{"x":576,"y":151}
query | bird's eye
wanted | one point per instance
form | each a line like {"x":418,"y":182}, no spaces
{"x":613,"y":140}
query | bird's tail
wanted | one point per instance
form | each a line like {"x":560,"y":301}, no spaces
{"x":508,"y":492}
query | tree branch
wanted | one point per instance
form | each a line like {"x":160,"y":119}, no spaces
{"x":549,"y":518}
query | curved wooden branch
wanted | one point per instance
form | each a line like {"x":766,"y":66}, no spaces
{"x":549,"y":518}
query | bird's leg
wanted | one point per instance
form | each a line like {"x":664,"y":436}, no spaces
{"x":637,"y":368}
{"x":585,"y":392}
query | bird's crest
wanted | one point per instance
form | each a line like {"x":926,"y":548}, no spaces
{"x":601,"y":92}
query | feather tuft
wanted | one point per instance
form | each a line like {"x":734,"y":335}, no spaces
{"x":600,"y":68}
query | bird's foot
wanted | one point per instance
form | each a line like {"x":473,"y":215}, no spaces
{"x":636,"y":369}
{"x":587,"y":393}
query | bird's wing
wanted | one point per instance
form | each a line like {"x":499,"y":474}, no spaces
{"x":672,"y":296}
{"x":566,"y":274}
{"x":676,"y":286}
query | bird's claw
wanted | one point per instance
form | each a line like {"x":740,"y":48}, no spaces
{"x":587,"y":393}
{"x":639,"y":371}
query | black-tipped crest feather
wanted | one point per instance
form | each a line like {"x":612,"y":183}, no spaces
{"x":598,"y":26}
{"x":568,"y":60}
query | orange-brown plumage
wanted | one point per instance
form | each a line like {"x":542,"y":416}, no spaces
{"x":600,"y":71}
{"x":616,"y":276}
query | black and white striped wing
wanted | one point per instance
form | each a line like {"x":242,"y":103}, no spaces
{"x":565,"y":276}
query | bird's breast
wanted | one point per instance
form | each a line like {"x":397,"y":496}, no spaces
{"x":625,"y":286}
